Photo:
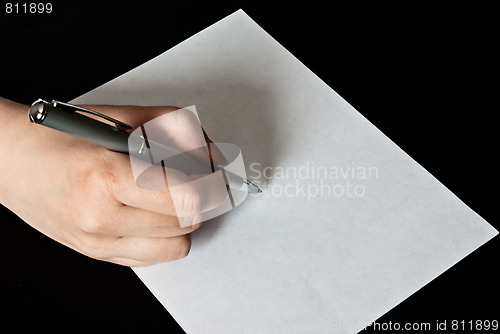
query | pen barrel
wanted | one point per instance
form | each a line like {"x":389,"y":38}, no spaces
{"x":84,"y":127}
{"x":160,"y":154}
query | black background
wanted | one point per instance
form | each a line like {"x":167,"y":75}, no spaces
{"x":425,"y":76}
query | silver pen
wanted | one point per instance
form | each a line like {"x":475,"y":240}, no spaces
{"x":68,"y":118}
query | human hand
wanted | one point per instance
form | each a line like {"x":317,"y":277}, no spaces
{"x":85,"y":197}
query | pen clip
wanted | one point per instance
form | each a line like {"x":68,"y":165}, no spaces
{"x":72,"y":108}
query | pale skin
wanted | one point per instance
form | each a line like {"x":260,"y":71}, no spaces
{"x":84,"y":196}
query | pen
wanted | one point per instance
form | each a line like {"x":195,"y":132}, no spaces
{"x":66,"y":118}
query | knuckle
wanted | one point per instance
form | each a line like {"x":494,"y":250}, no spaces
{"x":91,"y":225}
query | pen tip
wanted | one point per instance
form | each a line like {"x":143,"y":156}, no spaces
{"x":252,"y":187}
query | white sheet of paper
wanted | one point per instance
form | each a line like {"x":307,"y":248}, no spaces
{"x":349,"y":225}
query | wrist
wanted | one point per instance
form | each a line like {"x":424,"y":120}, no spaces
{"x":14,"y":121}
{"x":16,"y":129}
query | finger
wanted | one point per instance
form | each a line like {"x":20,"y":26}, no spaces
{"x":130,"y":221}
{"x":147,"y":250}
{"x":179,"y":129}
{"x":190,"y":150}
